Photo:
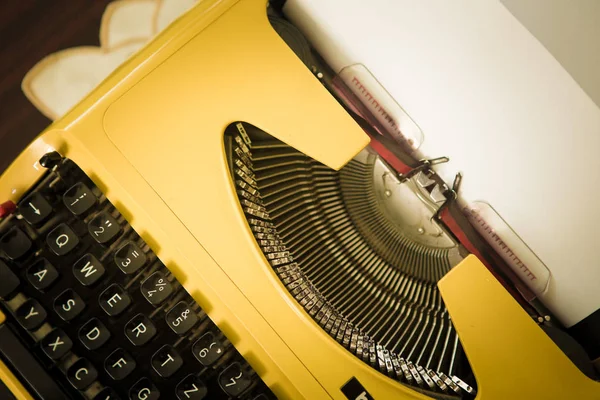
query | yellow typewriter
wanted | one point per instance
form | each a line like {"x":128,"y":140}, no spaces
{"x":232,"y":215}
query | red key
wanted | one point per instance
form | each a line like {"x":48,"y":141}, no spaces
{"x":7,"y":208}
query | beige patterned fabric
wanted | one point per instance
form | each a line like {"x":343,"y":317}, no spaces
{"x":56,"y":83}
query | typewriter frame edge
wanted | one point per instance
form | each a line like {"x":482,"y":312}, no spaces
{"x":457,"y":286}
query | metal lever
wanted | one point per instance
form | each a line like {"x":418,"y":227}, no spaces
{"x":451,"y":194}
{"x":423,"y":165}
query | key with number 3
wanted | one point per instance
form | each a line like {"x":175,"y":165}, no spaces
{"x":130,"y":258}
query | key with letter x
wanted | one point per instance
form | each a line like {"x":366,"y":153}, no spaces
{"x":56,"y":344}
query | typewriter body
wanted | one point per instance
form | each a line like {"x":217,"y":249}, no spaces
{"x":234,"y":212}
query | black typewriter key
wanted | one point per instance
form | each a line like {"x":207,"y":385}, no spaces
{"x":56,"y":344}
{"x":263,"y":397}
{"x":31,"y":314}
{"x":51,"y":159}
{"x":156,"y":288}
{"x":139,"y":330}
{"x":130,"y":258}
{"x":35,"y":208}
{"x":166,"y":361}
{"x":79,"y":199}
{"x":114,"y":300}
{"x":104,"y":228}
{"x":93,"y":334}
{"x":62,"y":240}
{"x":191,"y":388}
{"x":234,"y":380}
{"x":119,"y":364}
{"x":9,"y":282}
{"x":41,"y":274}
{"x":88,"y":270}
{"x":144,"y":389}
{"x":81,"y":374}
{"x":181,"y":318}
{"x":68,"y":305}
{"x":106,"y":394}
{"x":15,"y":243}
{"x":208,"y":349}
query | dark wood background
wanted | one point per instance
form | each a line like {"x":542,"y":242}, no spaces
{"x":29,"y":31}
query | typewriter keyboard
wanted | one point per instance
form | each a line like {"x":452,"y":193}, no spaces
{"x":92,"y":312}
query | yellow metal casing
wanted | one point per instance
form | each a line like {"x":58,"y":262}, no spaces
{"x":151,"y":137}
{"x":512,"y":358}
{"x":13,"y":384}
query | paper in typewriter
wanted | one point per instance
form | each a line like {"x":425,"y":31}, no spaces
{"x":487,"y":94}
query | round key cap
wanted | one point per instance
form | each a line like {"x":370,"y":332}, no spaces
{"x":81,"y":374}
{"x":114,"y":300}
{"x":15,"y":243}
{"x":62,"y":240}
{"x":68,"y":305}
{"x":9,"y":282}
{"x":35,"y":208}
{"x":41,"y":274}
{"x":93,"y":334}
{"x":144,"y":389}
{"x":130,"y":258}
{"x":166,"y":361}
{"x":139,"y":330}
{"x":88,"y":270}
{"x":156,"y":288}
{"x":56,"y":344}
{"x":234,"y":380}
{"x":208,"y":349}
{"x":31,"y":314}
{"x":191,"y":388}
{"x":181,"y":318}
{"x":106,"y":394}
{"x":104,"y":228}
{"x":79,"y":199}
{"x":119,"y":364}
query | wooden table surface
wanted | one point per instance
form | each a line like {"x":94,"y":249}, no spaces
{"x":29,"y":31}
